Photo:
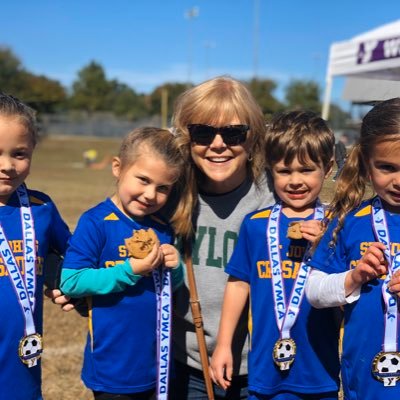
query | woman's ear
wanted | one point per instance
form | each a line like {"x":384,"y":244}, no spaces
{"x":116,"y":167}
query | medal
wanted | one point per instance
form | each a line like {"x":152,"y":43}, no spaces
{"x":286,"y":311}
{"x":30,"y":349}
{"x":30,"y":346}
{"x":283,"y":353}
{"x":386,"y":364}
{"x":386,"y":367}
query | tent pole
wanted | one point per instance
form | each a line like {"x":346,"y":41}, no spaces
{"x":327,"y":98}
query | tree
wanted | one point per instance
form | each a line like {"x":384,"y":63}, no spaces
{"x":303,"y":95}
{"x":173,"y":91}
{"x":124,"y":101}
{"x":91,"y":91}
{"x":10,"y":72}
{"x":41,"y":93}
{"x":262,"y":90}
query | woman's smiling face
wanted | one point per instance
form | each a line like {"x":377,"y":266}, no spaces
{"x":224,"y":167}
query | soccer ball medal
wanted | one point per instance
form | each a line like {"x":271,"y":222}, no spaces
{"x":283,"y":353}
{"x":386,"y":367}
{"x":30,"y":349}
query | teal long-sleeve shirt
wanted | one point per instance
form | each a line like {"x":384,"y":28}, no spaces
{"x":88,"y":281}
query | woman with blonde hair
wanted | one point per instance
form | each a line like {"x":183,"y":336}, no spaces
{"x":224,"y":126}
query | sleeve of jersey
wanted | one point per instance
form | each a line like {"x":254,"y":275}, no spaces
{"x":81,"y":275}
{"x":89,"y":281}
{"x":60,"y":232}
{"x":330,"y":258}
{"x":240,"y":262}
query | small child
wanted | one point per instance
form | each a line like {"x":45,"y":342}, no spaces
{"x":357,"y":258}
{"x":30,"y":228}
{"x":294,"y":352}
{"x":127,"y":351}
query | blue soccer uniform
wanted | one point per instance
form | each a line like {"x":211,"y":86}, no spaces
{"x":17,"y":381}
{"x":121,"y":350}
{"x":364,"y":318}
{"x":316,"y":365}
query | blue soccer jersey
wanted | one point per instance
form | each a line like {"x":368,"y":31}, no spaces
{"x":364,"y":319}
{"x":17,"y":381}
{"x":121,"y":353}
{"x":316,"y":365}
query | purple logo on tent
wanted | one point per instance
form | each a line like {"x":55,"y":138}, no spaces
{"x":378,"y":50}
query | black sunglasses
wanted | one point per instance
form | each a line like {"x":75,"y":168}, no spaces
{"x":232,"y":135}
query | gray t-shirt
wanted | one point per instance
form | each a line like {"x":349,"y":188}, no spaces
{"x":217,"y":228}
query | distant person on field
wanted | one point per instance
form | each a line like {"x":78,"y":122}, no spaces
{"x":30,"y":228}
{"x":356,"y":263}
{"x":340,"y":154}
{"x":90,"y":156}
{"x":126,"y":356}
{"x":294,"y":347}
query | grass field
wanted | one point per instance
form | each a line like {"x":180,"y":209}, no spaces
{"x":58,"y":170}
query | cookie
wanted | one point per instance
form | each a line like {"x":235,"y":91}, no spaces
{"x":141,"y":243}
{"x":293,"y":231}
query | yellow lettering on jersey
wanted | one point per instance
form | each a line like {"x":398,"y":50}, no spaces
{"x":353,"y":264}
{"x":363,"y":247}
{"x":21,"y":264}
{"x":17,"y":246}
{"x":122,"y":251}
{"x":296,"y":269}
{"x":110,"y":263}
{"x":264,"y":270}
{"x":286,"y":269}
{"x":394,"y":248}
{"x":289,"y":269}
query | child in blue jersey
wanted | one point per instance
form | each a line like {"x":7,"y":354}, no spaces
{"x":294,"y":352}
{"x":127,"y":352}
{"x":357,"y":258}
{"x":30,"y":228}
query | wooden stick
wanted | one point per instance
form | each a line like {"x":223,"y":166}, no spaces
{"x":198,"y":319}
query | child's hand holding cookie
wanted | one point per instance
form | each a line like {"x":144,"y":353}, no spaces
{"x":144,"y":248}
{"x":309,"y":230}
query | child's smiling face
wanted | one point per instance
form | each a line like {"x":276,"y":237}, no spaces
{"x":16,"y":148}
{"x":298,"y":184}
{"x":143,"y":187}
{"x":384,"y":171}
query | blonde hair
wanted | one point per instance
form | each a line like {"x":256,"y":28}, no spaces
{"x":175,"y":155}
{"x":380,"y":124}
{"x":301,"y":134}
{"x":217,"y":102}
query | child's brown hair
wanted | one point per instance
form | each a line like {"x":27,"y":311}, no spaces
{"x":301,"y":134}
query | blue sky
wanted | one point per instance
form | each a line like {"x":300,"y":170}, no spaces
{"x":146,"y":43}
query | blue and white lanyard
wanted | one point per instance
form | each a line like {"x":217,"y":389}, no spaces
{"x":286,"y":313}
{"x":391,"y":312}
{"x":162,"y":283}
{"x":24,"y":288}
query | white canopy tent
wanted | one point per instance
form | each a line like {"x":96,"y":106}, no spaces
{"x":371,"y":55}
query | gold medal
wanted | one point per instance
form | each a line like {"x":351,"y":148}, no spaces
{"x":386,"y":367}
{"x":283,"y":353}
{"x":30,"y":349}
